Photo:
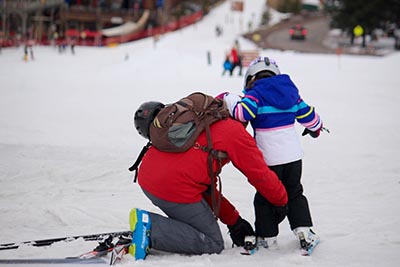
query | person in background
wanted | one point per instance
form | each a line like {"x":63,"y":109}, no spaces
{"x":227,"y":65}
{"x":236,"y":58}
{"x":25,"y":58}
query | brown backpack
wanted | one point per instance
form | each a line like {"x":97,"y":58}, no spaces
{"x":178,"y":125}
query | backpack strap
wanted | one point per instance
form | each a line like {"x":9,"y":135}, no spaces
{"x":135,"y":165}
{"x":214,"y":175}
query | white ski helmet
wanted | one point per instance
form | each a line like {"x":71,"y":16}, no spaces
{"x":260,"y":64}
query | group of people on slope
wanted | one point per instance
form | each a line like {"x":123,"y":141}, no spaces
{"x":179,"y":183}
{"x":232,"y":60}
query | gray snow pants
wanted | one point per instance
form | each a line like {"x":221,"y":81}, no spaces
{"x":188,"y":229}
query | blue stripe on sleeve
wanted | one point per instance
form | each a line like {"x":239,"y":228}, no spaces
{"x":270,"y":109}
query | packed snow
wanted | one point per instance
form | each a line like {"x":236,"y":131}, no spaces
{"x":67,"y":140}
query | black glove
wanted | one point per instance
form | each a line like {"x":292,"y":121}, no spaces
{"x":313,"y":134}
{"x":280,"y":213}
{"x":239,"y":230}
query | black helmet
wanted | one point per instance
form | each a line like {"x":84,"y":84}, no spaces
{"x":145,"y":115}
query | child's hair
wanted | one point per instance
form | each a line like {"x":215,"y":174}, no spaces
{"x":261,"y":75}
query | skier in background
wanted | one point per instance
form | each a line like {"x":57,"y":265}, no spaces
{"x":236,"y":58}
{"x":227,"y":65}
{"x":25,"y":58}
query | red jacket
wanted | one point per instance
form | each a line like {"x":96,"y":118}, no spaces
{"x":183,"y":177}
{"x":234,"y":55}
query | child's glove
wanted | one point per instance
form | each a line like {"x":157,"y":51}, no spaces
{"x":314,"y":134}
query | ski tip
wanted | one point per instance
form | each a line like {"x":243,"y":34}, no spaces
{"x":50,"y":261}
{"x":248,"y":252}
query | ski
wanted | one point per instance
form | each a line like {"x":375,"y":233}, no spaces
{"x":91,"y":257}
{"x":250,"y":246}
{"x":249,"y":251}
{"x":309,"y":250}
{"x":92,"y":254}
{"x":73,"y":260}
{"x":118,"y":252}
{"x":48,"y":242}
{"x":101,"y":250}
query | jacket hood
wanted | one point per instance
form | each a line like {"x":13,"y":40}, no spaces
{"x":278,"y":91}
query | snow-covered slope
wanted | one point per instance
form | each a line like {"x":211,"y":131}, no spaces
{"x":67,"y":139}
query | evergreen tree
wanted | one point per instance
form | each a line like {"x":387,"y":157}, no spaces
{"x":370,"y":14}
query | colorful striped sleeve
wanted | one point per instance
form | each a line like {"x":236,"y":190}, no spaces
{"x":307,"y":117}
{"x":246,"y":109}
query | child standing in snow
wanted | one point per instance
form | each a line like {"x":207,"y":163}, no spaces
{"x":227,"y":65}
{"x":272,"y":104}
